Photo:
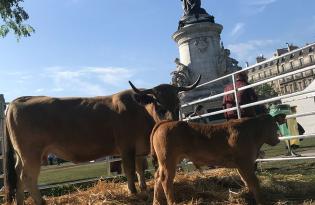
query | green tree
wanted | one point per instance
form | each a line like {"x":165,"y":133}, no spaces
{"x":13,"y":17}
{"x":265,"y":91}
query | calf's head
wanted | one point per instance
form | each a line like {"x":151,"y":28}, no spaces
{"x":270,"y":130}
{"x":163,"y":98}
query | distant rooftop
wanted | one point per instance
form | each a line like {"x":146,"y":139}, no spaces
{"x":281,"y":51}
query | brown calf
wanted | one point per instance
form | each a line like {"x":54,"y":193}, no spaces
{"x":232,"y":144}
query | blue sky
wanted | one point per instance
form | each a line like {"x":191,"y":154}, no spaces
{"x":88,"y":48}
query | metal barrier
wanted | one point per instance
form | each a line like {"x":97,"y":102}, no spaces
{"x":239,"y":107}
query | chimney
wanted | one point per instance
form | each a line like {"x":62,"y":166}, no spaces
{"x":260,"y":58}
{"x":288,"y":46}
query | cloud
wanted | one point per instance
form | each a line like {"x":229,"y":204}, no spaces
{"x":252,"y":7}
{"x":89,"y":80}
{"x":238,"y":29}
{"x":248,"y":51}
{"x":262,"y":2}
{"x":39,"y":90}
{"x":62,"y":81}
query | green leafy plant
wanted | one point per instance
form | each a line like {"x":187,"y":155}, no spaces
{"x":13,"y":17}
{"x":265,"y":91}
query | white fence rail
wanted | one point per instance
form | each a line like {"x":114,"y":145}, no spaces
{"x":270,"y":100}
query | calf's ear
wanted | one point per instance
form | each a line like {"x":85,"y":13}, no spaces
{"x":143,"y":99}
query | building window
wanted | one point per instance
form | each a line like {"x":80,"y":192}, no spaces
{"x":295,"y":86}
{"x":311,"y":58}
{"x":300,"y":85}
{"x":306,"y":83}
{"x":291,"y":65}
{"x":291,"y":88}
{"x":282,"y":68}
{"x":301,"y":61}
{"x":270,"y":72}
{"x":287,"y":89}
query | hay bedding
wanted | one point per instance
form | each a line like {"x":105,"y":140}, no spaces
{"x":217,"y":186}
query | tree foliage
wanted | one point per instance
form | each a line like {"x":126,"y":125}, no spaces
{"x":13,"y":17}
{"x":265,"y":91}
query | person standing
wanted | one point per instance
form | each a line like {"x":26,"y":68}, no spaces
{"x":279,"y":112}
{"x":243,"y":97}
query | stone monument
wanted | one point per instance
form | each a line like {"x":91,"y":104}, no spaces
{"x":201,"y":51}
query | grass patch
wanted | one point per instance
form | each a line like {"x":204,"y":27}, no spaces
{"x":59,"y":174}
{"x":280,"y":149}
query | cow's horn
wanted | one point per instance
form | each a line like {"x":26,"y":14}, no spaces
{"x":148,"y":91}
{"x":190,"y":87}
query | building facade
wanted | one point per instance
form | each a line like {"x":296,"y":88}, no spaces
{"x":286,"y":60}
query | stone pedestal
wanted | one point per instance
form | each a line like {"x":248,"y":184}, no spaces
{"x":200,"y":50}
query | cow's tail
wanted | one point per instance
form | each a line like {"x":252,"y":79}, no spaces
{"x":153,"y":153}
{"x":10,"y":178}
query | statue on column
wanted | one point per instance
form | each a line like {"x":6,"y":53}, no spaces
{"x":193,"y":13}
{"x":193,"y":7}
{"x":181,"y":76}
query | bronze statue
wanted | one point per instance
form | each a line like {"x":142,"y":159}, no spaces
{"x":193,"y":7}
{"x":193,"y":13}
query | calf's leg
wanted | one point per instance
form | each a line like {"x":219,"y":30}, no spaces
{"x":167,"y":174}
{"x":251,"y":181}
{"x":158,"y":198}
{"x":128,"y":160}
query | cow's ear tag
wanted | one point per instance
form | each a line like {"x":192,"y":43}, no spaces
{"x":143,"y":99}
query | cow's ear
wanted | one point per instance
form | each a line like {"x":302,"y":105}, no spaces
{"x":143,"y":99}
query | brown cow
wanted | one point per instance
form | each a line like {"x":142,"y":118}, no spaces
{"x":232,"y":144}
{"x":84,"y":129}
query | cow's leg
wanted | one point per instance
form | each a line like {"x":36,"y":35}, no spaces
{"x":128,"y":160}
{"x":30,"y":174}
{"x":19,"y":185}
{"x":141,"y":165}
{"x":167,"y":174}
{"x":251,"y":181}
{"x":158,"y":198}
